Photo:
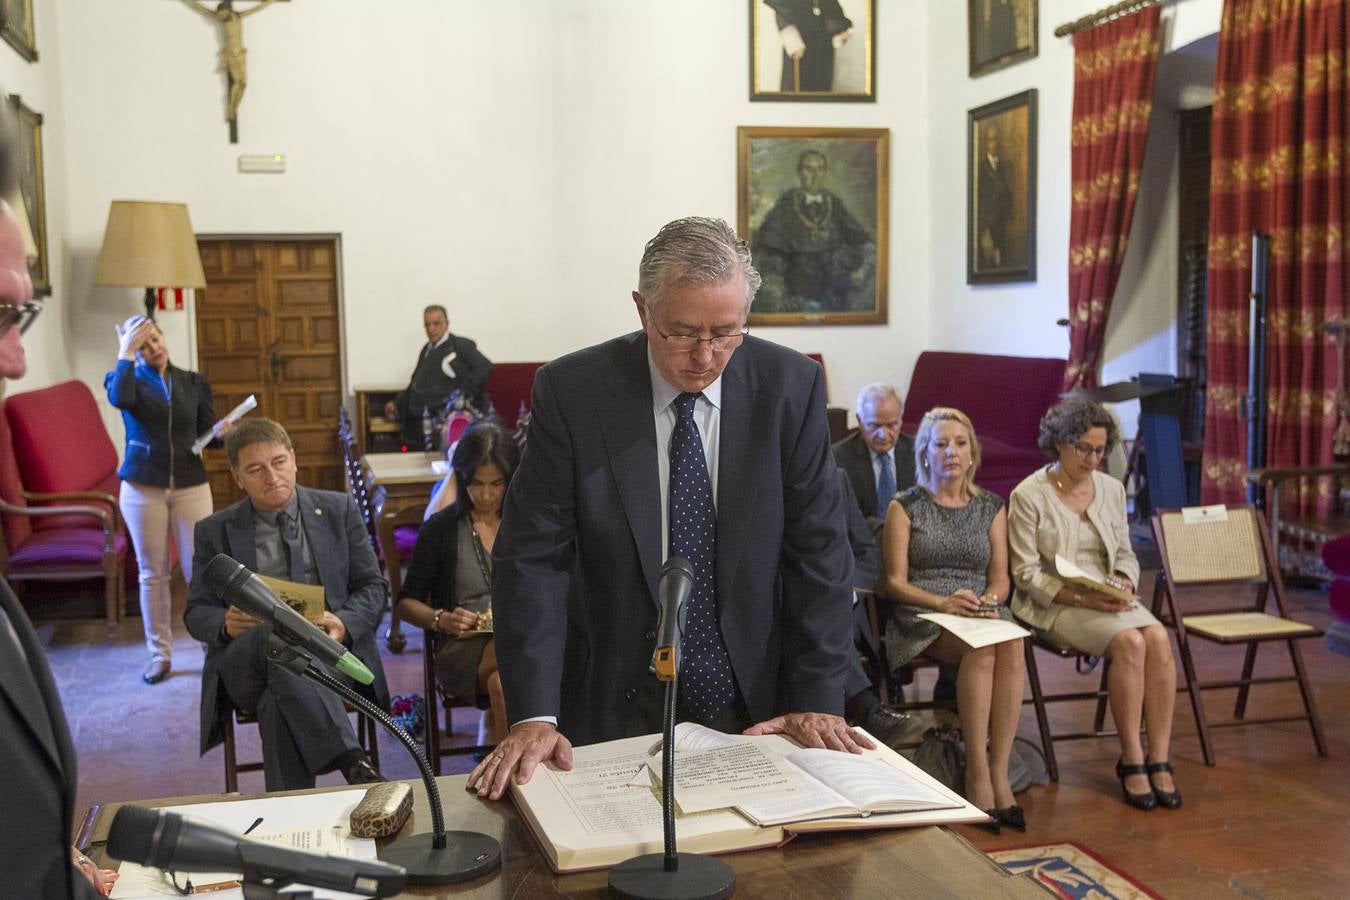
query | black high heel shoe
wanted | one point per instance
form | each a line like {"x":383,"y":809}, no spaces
{"x":1013,"y":817}
{"x":993,"y":825}
{"x":1138,"y":801}
{"x":1166,"y":799}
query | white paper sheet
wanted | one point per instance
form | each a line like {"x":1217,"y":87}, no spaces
{"x":975,"y":631}
{"x":318,"y":823}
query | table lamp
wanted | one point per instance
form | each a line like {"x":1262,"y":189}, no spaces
{"x":149,"y":245}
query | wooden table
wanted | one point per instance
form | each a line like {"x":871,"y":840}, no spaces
{"x":407,"y":480}
{"x":904,"y":862}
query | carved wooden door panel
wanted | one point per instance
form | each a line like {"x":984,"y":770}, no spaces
{"x":267,"y":324}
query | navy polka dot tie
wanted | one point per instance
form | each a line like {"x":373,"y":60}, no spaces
{"x":707,"y":686}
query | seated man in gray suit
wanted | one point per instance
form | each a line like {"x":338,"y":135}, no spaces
{"x":301,"y":535}
{"x":878,"y":459}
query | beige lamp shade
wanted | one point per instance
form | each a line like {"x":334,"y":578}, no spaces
{"x":15,"y":203}
{"x":149,"y":245}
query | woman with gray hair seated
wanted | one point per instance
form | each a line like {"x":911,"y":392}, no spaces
{"x":946,"y":545}
{"x":1072,"y":510}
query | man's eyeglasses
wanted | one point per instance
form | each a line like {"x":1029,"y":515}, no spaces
{"x":1087,"y":451}
{"x":22,"y":316}
{"x":718,"y":343}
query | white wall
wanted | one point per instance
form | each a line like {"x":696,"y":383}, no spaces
{"x":509,"y":159}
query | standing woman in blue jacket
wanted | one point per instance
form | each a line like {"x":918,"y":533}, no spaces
{"x":164,"y":490}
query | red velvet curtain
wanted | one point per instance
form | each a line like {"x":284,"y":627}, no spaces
{"x":1280,"y":149}
{"x":1114,"y":67}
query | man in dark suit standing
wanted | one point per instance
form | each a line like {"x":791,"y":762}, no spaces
{"x":691,"y":439}
{"x":878,"y":459}
{"x":447,"y":363}
{"x":37,"y":761}
{"x":299,"y":535}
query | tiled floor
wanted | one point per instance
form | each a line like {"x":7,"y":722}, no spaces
{"x":1272,"y":819}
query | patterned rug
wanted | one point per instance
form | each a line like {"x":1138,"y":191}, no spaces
{"x":1072,"y":870}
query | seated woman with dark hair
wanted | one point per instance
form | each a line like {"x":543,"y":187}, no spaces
{"x":447,"y":588}
{"x":946,"y":546}
{"x":1071,"y":509}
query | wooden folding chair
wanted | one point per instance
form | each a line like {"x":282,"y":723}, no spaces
{"x":1040,"y":700}
{"x":432,"y":732}
{"x":366,"y":732}
{"x":1219,"y":556}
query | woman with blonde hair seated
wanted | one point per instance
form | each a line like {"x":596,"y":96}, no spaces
{"x":946,"y":544}
{"x":1071,"y":509}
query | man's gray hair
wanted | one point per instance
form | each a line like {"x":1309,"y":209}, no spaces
{"x":697,"y":251}
{"x":874,"y":393}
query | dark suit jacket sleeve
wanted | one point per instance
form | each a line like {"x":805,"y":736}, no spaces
{"x":477,"y":367}
{"x":205,"y":612}
{"x":866,"y":555}
{"x":366,"y":587}
{"x":532,"y":564}
{"x":817,"y":624}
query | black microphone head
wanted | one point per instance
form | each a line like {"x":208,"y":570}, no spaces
{"x":680,"y":565}
{"x":132,"y":836}
{"x":220,"y":572}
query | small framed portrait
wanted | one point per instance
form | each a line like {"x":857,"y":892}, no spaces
{"x":1002,"y":32}
{"x":812,"y":202}
{"x":16,"y":27}
{"x":1001,"y":191}
{"x":813,"y":50}
{"x":32,"y":190}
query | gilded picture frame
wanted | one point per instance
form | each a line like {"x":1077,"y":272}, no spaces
{"x":813,"y":50}
{"x":32,"y":188}
{"x":16,"y":27}
{"x":1002,"y":32}
{"x":1001,"y":190}
{"x":812,"y":203}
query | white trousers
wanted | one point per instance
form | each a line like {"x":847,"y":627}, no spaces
{"x":154,"y":517}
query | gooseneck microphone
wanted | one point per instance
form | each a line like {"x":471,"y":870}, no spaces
{"x":166,"y":840}
{"x":672,"y":596}
{"x":231,"y":581}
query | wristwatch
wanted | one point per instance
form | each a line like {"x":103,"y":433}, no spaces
{"x":436,"y":619}
{"x":1077,"y":599}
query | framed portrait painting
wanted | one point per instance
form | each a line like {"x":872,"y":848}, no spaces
{"x":1001,"y":191}
{"x":813,"y":50}
{"x":812,"y":203}
{"x":16,"y":27}
{"x":32,"y":190}
{"x":1002,"y":32}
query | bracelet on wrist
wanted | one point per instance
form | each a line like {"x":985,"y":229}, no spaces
{"x":436,"y":619}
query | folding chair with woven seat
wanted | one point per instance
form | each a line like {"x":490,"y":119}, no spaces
{"x":366,"y":731}
{"x":435,"y":699}
{"x":1205,"y":556}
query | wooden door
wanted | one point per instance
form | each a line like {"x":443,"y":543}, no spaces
{"x":268,"y":325}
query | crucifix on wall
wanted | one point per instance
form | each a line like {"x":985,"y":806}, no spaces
{"x":233,"y":56}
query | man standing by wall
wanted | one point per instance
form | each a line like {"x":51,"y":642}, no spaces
{"x":691,"y":439}
{"x":447,"y":363}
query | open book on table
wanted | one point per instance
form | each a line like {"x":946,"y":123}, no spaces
{"x":733,"y":792}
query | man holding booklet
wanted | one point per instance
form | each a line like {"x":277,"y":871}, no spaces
{"x":688,"y":438}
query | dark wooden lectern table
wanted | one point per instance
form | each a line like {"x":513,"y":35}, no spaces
{"x":904,"y":862}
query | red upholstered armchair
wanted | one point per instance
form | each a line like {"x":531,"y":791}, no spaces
{"x":1005,"y":397}
{"x":58,"y":489}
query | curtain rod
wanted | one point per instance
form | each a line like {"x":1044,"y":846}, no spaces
{"x":1102,"y":16}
